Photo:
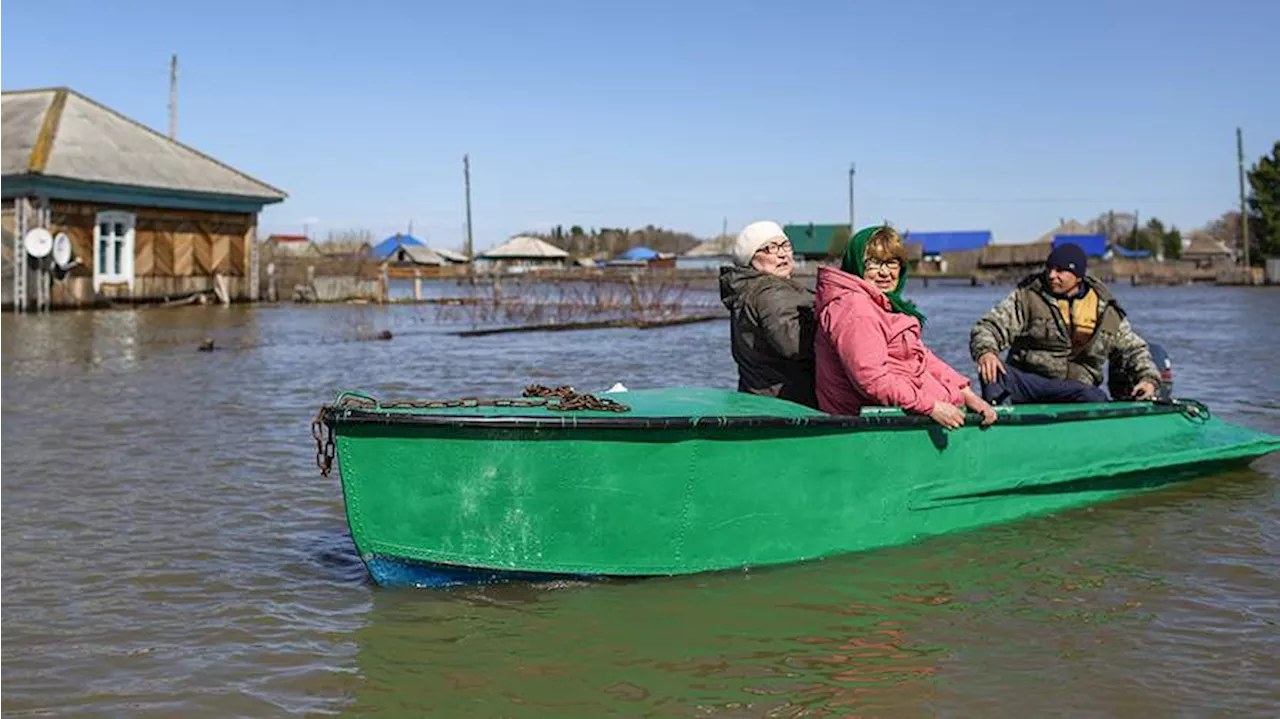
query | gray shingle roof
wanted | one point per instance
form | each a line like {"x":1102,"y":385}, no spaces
{"x":525,"y":247}
{"x":60,"y":133}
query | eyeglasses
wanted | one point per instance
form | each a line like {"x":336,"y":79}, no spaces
{"x":873,"y":265}
{"x":776,"y":248}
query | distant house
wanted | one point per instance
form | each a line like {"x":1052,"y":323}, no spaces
{"x":389,"y":246}
{"x":1206,"y":252}
{"x":709,"y":255}
{"x":419,"y":255}
{"x":814,"y":242}
{"x":1024,"y":257}
{"x":935,"y":244}
{"x":1014,"y":258}
{"x":1093,"y":245}
{"x":452,"y":257}
{"x":639,"y":253}
{"x":147,"y":217}
{"x":1068,"y":227}
{"x":400,"y":248}
{"x":291,"y":246}
{"x":407,"y":256}
{"x":641,"y":256}
{"x":949,"y":252}
{"x":1127,"y":254}
{"x":520,"y":254}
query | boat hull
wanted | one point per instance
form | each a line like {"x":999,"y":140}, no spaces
{"x":447,"y":497}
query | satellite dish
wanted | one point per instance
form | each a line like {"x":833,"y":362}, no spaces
{"x":38,"y":242}
{"x":62,"y":250}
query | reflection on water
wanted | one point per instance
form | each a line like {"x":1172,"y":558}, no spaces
{"x":169,"y":548}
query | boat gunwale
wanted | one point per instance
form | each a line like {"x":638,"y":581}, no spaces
{"x":335,"y":416}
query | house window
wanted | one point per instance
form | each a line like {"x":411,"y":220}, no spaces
{"x":113,"y":237}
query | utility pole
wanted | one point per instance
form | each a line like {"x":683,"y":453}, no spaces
{"x":1244,"y":214}
{"x":853,"y":168}
{"x":173,"y":96}
{"x":466,"y":178}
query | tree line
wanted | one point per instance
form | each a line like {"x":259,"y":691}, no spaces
{"x":1263,"y":203}
{"x":1122,"y":228}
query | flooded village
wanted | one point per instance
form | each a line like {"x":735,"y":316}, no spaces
{"x":134,"y":218}
{"x":183,"y":535}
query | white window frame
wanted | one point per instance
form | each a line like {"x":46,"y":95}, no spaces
{"x":124,"y":273}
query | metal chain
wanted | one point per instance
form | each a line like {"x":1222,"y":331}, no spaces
{"x":559,"y":399}
{"x":569,"y":400}
{"x":323,"y":435}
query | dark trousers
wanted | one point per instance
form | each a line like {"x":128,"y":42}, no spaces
{"x":1020,"y":387}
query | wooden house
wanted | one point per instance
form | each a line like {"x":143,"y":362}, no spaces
{"x":1206,"y":252}
{"x":148,"y":218}
{"x":521,"y":254}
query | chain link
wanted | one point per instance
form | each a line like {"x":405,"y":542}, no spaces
{"x":569,"y":400}
{"x":323,"y":435}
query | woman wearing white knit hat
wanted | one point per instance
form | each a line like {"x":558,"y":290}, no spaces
{"x":770,"y":316}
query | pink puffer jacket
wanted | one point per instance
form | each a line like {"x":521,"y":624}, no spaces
{"x":866,"y":354}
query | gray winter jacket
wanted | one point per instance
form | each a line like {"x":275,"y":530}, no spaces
{"x":771,"y":333}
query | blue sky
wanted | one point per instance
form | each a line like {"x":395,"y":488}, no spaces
{"x":1002,"y":115}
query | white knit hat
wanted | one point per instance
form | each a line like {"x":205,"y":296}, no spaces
{"x":753,"y":237}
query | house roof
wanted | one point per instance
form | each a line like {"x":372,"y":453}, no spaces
{"x":938,"y":242}
{"x":419,"y":255}
{"x":811,"y":240}
{"x":519,"y":248}
{"x":1130,"y":254}
{"x":719,"y":247}
{"x":288,"y":238}
{"x":384,"y":249}
{"x":452,"y":256}
{"x":59,"y":133}
{"x":1093,"y":245}
{"x":1070,"y":227}
{"x":639,"y":253}
{"x":1204,"y":245}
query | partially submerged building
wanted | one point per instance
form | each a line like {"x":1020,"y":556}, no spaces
{"x":147,"y":217}
{"x":708,"y":256}
{"x":520,"y":254}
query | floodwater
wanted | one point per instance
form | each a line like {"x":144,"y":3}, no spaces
{"x":169,"y":548}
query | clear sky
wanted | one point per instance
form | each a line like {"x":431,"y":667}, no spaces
{"x":960,"y":115}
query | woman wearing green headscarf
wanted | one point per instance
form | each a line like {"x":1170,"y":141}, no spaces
{"x":868,"y":349}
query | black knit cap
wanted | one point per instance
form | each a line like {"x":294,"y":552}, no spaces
{"x":1070,"y":257}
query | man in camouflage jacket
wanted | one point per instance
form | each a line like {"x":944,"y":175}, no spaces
{"x":1061,"y":327}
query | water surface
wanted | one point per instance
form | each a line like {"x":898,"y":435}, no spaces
{"x":170,"y":549}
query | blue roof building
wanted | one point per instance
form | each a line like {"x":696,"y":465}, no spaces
{"x":1130,"y":254}
{"x":638,"y":253}
{"x":1093,"y":245}
{"x":388,"y":247}
{"x":935,"y":243}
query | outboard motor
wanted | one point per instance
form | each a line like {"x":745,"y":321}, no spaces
{"x":1121,"y":385}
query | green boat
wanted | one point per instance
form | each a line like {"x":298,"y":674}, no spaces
{"x":685,"y":480}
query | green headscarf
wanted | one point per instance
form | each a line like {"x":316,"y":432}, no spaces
{"x":853,"y":260}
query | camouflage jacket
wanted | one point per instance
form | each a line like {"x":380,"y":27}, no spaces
{"x":1029,"y":324}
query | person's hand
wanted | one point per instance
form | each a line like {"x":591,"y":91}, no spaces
{"x":981,"y":406}
{"x":989,"y":367}
{"x":1144,"y":390}
{"x":948,"y":415}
